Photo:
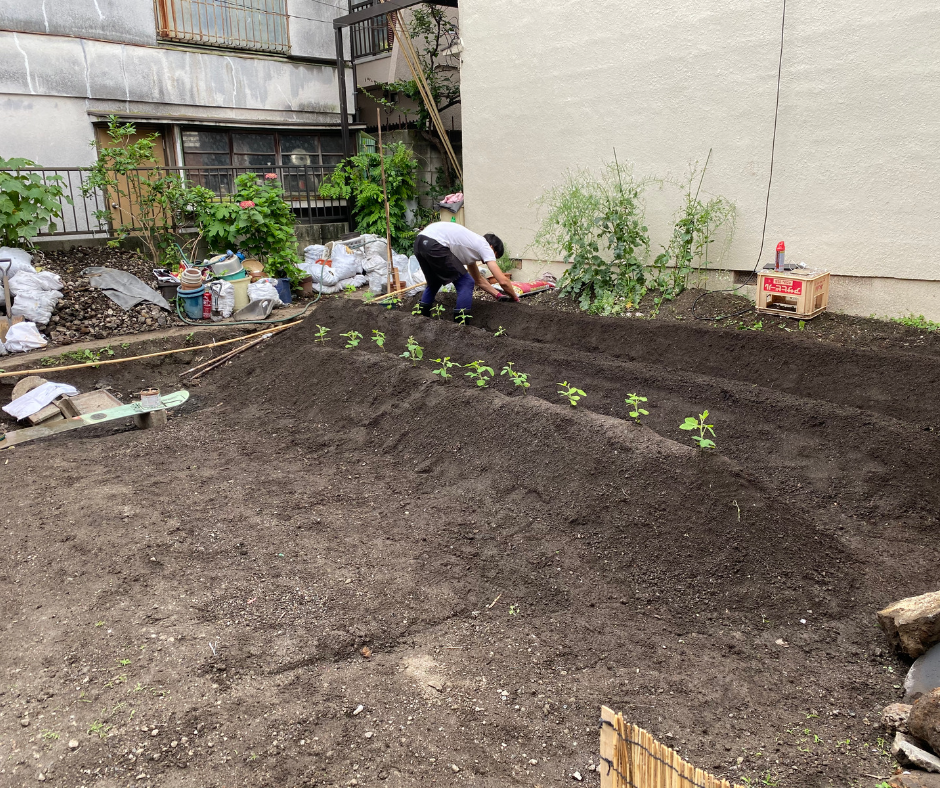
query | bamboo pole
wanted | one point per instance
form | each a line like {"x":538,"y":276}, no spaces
{"x":388,"y":214}
{"x":229,"y":356}
{"x":46,"y":370}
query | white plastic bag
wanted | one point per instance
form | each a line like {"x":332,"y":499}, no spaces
{"x":373,"y":263}
{"x":415,"y":274}
{"x":22,"y":337}
{"x":315,"y":252}
{"x":226,"y":302}
{"x":320,"y":273}
{"x":356,"y":281}
{"x":29,"y":281}
{"x":21,"y":261}
{"x":262,"y":289}
{"x":36,"y":305}
{"x":346,"y":263}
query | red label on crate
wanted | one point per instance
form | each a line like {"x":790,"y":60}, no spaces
{"x":773,"y":284}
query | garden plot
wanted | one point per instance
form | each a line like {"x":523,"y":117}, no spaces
{"x":479,"y":569}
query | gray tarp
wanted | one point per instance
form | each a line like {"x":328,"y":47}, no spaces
{"x":125,"y":289}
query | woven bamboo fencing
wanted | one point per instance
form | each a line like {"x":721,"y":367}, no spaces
{"x":631,"y":758}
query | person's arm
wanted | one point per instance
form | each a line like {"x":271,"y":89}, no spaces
{"x":480,"y":282}
{"x":503,"y":280}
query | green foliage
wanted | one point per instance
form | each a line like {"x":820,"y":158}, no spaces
{"x":462,"y":317}
{"x":143,"y":201}
{"x":259,"y":221}
{"x":321,"y":335}
{"x":360,"y":178}
{"x":27,"y":203}
{"x":414,"y":352}
{"x":693,"y":424}
{"x":446,"y":366}
{"x":479,"y":373}
{"x":437,"y":310}
{"x":913,"y":321}
{"x":392,"y":303}
{"x":519,"y":379}
{"x":500,"y":332}
{"x":802,"y":325}
{"x":570,"y":393}
{"x":353,"y":337}
{"x":634,"y":400}
{"x":416,"y":309}
{"x":379,"y":338}
{"x":86,"y":356}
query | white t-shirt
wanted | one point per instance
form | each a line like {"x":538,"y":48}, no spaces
{"x":464,"y":244}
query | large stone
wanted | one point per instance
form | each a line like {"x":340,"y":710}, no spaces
{"x":923,"y":676}
{"x":913,"y":624}
{"x":895,"y":716}
{"x":909,"y":753}
{"x":924,"y":722}
{"x":915,"y":780}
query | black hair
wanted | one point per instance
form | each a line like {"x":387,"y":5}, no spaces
{"x":494,"y":240}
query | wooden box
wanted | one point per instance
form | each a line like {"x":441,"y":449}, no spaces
{"x":801,"y":294}
{"x":449,"y":216}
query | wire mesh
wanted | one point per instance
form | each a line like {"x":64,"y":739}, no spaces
{"x":258,"y":25}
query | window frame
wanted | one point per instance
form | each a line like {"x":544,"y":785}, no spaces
{"x":172,"y":17}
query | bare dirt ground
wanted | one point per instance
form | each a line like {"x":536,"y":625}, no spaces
{"x":321,"y":529}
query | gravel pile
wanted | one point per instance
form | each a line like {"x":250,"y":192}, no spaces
{"x":85,"y":312}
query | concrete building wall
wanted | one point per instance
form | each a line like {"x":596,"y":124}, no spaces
{"x":551,"y":86}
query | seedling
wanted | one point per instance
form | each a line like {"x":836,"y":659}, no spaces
{"x":393,"y":303}
{"x":479,"y":373}
{"x":414,"y":352}
{"x":462,"y":318}
{"x":321,"y":334}
{"x":379,"y":338}
{"x":437,"y":310}
{"x":519,"y":379}
{"x":802,"y":325}
{"x":349,"y":289}
{"x":634,"y":400}
{"x":354,"y":338}
{"x":416,"y":309}
{"x":570,"y":393}
{"x":693,"y":424}
{"x":514,"y":610}
{"x":500,"y":332}
{"x":99,"y":728}
{"x":446,"y":365}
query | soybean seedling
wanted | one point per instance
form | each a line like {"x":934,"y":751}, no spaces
{"x":416,"y":309}
{"x":479,"y":373}
{"x":570,"y":393}
{"x":633,"y":400}
{"x":354,"y":338}
{"x":414,"y":353}
{"x":379,"y":338}
{"x":693,"y":424}
{"x":437,"y":310}
{"x":393,"y":303}
{"x":519,"y":379}
{"x":321,"y":334}
{"x":463,"y":317}
{"x":500,"y":332}
{"x":446,"y":365}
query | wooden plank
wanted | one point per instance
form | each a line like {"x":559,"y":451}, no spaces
{"x":49,"y":413}
{"x":89,"y":402}
{"x":608,"y":747}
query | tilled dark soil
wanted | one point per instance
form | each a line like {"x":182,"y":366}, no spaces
{"x":322,"y":528}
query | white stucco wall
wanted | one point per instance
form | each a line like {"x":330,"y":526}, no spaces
{"x":548,"y":86}
{"x":127,"y":21}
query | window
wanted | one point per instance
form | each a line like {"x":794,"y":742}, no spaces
{"x":372,"y":37}
{"x":259,"y":25}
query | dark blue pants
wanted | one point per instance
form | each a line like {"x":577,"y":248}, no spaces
{"x":440,"y":267}
{"x":464,"y":287}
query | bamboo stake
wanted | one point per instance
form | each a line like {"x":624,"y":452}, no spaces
{"x":46,"y":370}
{"x":388,"y":215}
{"x":224,"y":356}
{"x":228,"y":356}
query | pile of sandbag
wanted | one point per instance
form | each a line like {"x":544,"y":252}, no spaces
{"x":355,"y":263}
{"x":35,"y":294}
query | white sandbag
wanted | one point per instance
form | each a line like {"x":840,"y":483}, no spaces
{"x":22,"y":337}
{"x":262,"y":289}
{"x":226,"y":300}
{"x":377,"y":281}
{"x":21,"y":261}
{"x":316,"y":252}
{"x":373,"y":263}
{"x":36,"y":305}
{"x":320,"y":273}
{"x":29,"y":281}
{"x":415,"y":274}
{"x":357,"y":281}
{"x":345,"y":262}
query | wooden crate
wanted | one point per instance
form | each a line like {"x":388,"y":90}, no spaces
{"x":449,"y":216}
{"x":799,"y":294}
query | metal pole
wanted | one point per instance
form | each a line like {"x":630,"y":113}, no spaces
{"x":344,"y":113}
{"x":388,"y":217}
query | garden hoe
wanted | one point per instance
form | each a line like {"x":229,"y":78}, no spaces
{"x":9,"y":320}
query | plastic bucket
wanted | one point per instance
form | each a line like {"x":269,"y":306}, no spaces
{"x":283,"y":290}
{"x":190,"y":279}
{"x":241,"y":273}
{"x":241,"y":292}
{"x":192,"y":302}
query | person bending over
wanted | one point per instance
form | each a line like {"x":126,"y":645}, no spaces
{"x":446,"y":252}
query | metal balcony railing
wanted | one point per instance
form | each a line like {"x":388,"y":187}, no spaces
{"x":258,"y":25}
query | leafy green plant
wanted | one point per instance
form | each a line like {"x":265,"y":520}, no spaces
{"x":802,"y":325}
{"x":915,"y":321}
{"x":86,"y":356}
{"x":321,"y":335}
{"x":445,"y":366}
{"x":693,"y":424}
{"x":479,"y":373}
{"x":379,"y":338}
{"x":500,"y":332}
{"x":259,"y":221}
{"x":414,"y":352}
{"x":514,"y":610}
{"x":570,"y":393}
{"x":143,"y":201}
{"x":519,"y":379}
{"x":349,"y":289}
{"x":462,"y":317}
{"x":393,"y":303}
{"x":29,"y":203}
{"x":437,"y":310}
{"x":416,"y":309}
{"x":634,"y":401}
{"x":99,"y":728}
{"x":360,"y":178}
{"x":49,"y":735}
{"x":353,"y":337}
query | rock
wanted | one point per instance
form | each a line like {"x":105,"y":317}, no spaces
{"x":26,"y":385}
{"x":25,"y":722}
{"x":913,"y":624}
{"x":894,"y":717}
{"x":909,"y":753}
{"x":924,"y":675}
{"x":73,"y":744}
{"x":577,"y":776}
{"x":369,"y":734}
{"x":454,"y":768}
{"x":924,"y":720}
{"x":915,"y":780}
{"x":359,"y":709}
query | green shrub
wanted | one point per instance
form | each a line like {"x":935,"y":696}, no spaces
{"x":27,"y":204}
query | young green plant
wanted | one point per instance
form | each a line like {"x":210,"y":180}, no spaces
{"x":634,"y":400}
{"x":500,"y":332}
{"x":321,"y":334}
{"x":416,"y":309}
{"x":437,"y":310}
{"x":479,"y":373}
{"x":693,"y":424}
{"x":379,"y":338}
{"x":414,"y":352}
{"x":570,"y":393}
{"x":445,"y":366}
{"x":519,"y":379}
{"x":353,"y":337}
{"x":462,"y":317}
